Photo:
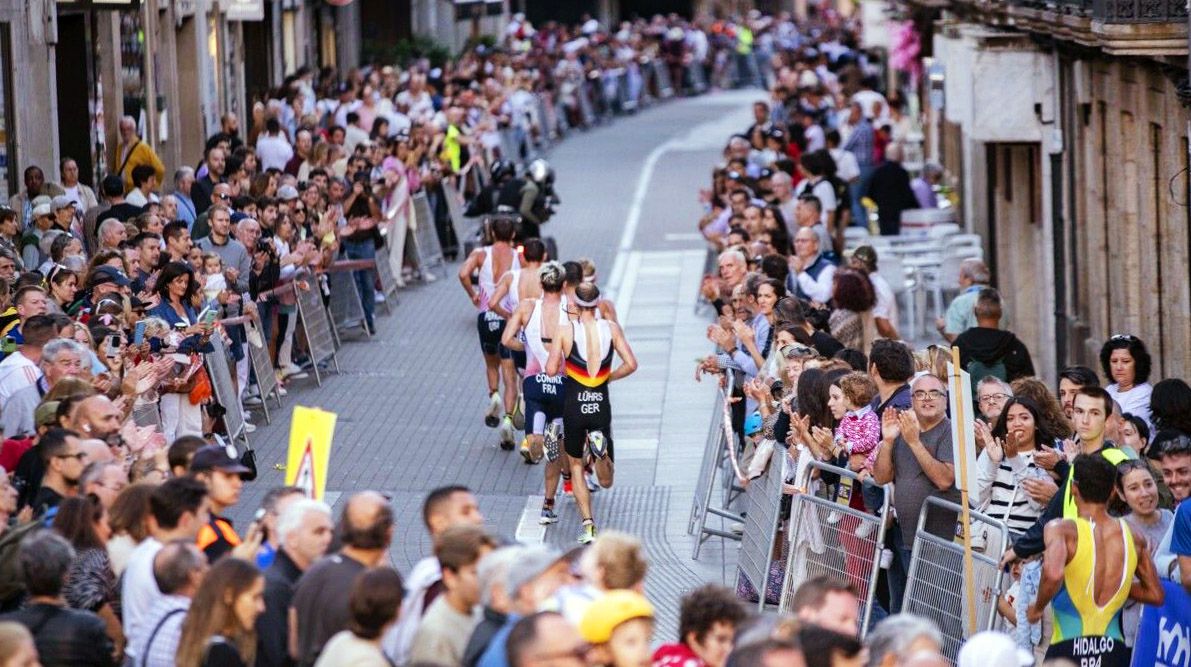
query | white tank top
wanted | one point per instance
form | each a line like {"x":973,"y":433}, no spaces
{"x":488,"y":279}
{"x":538,"y":350}
{"x":513,"y":297}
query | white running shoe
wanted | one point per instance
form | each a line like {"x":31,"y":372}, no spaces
{"x":492,"y":415}
{"x":508,"y":438}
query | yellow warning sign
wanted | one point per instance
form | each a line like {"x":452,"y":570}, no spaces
{"x":311,"y":432}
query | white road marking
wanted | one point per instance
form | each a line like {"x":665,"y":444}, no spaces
{"x":529,"y":531}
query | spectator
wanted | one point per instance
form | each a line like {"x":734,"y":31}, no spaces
{"x":204,"y":187}
{"x":828,"y":648}
{"x":178,"y":569}
{"x":1170,"y":406}
{"x":222,"y":475}
{"x":442,"y":635}
{"x":131,"y":152}
{"x":58,"y":359}
{"x":538,"y":573}
{"x":22,"y":202}
{"x":614,"y":561}
{"x":128,"y":517}
{"x":1007,"y":459}
{"x":220,"y":627}
{"x":63,"y":464}
{"x":889,"y":187}
{"x":144,"y":183}
{"x":812,"y":274}
{"x":374,"y":604}
{"x":618,"y":625}
{"x":1174,"y":554}
{"x":828,"y":603}
{"x":961,"y":312}
{"x":495,"y":600}
{"x":891,"y":366}
{"x":1071,"y":380}
{"x":851,"y":319}
{"x":321,"y":604}
{"x":275,"y":502}
{"x":64,"y":636}
{"x":16,"y":646}
{"x":1137,"y":487}
{"x":900,"y":638}
{"x":1125,"y":360}
{"x":992,"y":649}
{"x":272,"y":148}
{"x":183,"y":185}
{"x":986,"y":349}
{"x":767,"y":653}
{"x":708,"y":618}
{"x":916,"y":454}
{"x":924,"y":185}
{"x":545,"y":638}
{"x":884,"y":313}
{"x":444,"y":508}
{"x":90,"y":584}
{"x":178,"y":508}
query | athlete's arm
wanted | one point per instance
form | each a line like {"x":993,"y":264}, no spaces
{"x":628,"y":359}
{"x":509,"y":338}
{"x":469,"y":267}
{"x":1147,"y":587}
{"x":608,"y":310}
{"x":558,"y":351}
{"x":1054,"y":563}
{"x":498,"y":295}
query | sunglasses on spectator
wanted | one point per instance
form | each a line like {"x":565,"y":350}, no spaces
{"x":1128,"y":337}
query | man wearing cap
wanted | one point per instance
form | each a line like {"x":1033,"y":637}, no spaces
{"x":538,"y":573}
{"x":42,"y":214}
{"x":64,"y":209}
{"x":103,"y":280}
{"x":22,"y":202}
{"x":221,"y":472}
{"x":132,"y":153}
{"x":623,"y":616}
{"x":864,"y":259}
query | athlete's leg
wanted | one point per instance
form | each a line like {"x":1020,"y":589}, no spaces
{"x":582,"y":495}
{"x":604,"y":470}
{"x":492,"y":371}
{"x":512,"y":383}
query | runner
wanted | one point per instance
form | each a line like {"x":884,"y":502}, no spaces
{"x":1088,"y":572}
{"x":537,"y":322}
{"x":584,"y":350}
{"x":575,"y":277}
{"x":514,"y":287}
{"x":491,"y":263}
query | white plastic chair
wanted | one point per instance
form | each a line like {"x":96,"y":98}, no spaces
{"x":957,"y":240}
{"x":942,"y":281}
{"x":965,"y":252}
{"x":942,"y":230}
{"x":856,"y":233}
{"x":903,"y":283}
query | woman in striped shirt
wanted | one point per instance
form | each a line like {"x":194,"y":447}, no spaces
{"x":1007,"y":460}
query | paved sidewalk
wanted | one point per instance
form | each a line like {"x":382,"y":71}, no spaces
{"x":409,"y":400}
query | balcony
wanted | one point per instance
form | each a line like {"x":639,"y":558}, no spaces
{"x":1150,"y":28}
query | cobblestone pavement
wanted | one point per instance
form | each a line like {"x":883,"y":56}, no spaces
{"x":409,"y":400}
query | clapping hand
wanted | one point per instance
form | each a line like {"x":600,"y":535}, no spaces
{"x":1071,"y":449}
{"x":1040,"y":489}
{"x":1046,"y":457}
{"x":890,"y":425}
{"x":744,"y":332}
{"x":910,"y":427}
{"x":983,"y":435}
{"x":821,"y":441}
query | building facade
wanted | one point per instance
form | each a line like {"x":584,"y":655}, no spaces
{"x":1063,"y":126}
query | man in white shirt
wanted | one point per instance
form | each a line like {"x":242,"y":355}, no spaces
{"x":20,"y":369}
{"x":273,"y":150}
{"x":178,"y":508}
{"x":814,"y":167}
{"x":846,"y":167}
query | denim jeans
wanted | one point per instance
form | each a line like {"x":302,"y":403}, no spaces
{"x":365,"y":280}
{"x":1027,"y":635}
{"x":899,"y":569}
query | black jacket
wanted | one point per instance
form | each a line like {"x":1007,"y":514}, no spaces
{"x":990,"y":346}
{"x":482,"y":635}
{"x":272,"y":627}
{"x":66,"y":637}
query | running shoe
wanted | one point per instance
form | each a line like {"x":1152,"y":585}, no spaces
{"x":587,"y":534}
{"x":548,"y":517}
{"x":293,"y":371}
{"x":593,"y":485}
{"x":597,"y":444}
{"x":508,"y":438}
{"x":519,"y":413}
{"x":492,"y":416}
{"x":551,"y":438}
{"x":526,"y":453}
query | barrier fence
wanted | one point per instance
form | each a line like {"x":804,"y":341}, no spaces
{"x":829,"y":538}
{"x":347,"y":308}
{"x":935,"y":587}
{"x":763,"y":504}
{"x":719,"y":451}
{"x":224,"y":390}
{"x":316,"y":328}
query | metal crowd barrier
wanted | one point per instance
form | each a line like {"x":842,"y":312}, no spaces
{"x":935,"y":583}
{"x":347,"y":309}
{"x":316,"y":328}
{"x":147,"y":414}
{"x":715,"y":451}
{"x":384,"y":274}
{"x":426,"y":244}
{"x":829,"y":538}
{"x":455,"y":212}
{"x":224,"y":390}
{"x":266,"y":374}
{"x":763,"y":504}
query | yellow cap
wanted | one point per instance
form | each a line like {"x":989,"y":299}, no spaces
{"x":609,"y":611}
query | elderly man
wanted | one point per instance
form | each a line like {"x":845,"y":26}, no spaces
{"x":811,"y":273}
{"x":104,"y":480}
{"x":991,"y":394}
{"x":540,"y":571}
{"x":904,"y":640}
{"x":43,"y":218}
{"x":916,"y":455}
{"x":961,"y":314}
{"x":304,"y":532}
{"x":112,"y":233}
{"x":132,"y":153}
{"x":808,"y":213}
{"x":112,"y":190}
{"x":732,"y":268}
{"x":924,"y":185}
{"x":178,"y":569}
{"x":64,"y":209}
{"x":57,"y":359}
{"x":183,"y":183}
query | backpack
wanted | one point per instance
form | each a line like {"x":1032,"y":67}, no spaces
{"x":978,"y":370}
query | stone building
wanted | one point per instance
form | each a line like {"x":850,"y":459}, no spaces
{"x":1063,"y":126}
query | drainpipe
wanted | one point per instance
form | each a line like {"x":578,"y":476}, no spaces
{"x":1056,"y":216}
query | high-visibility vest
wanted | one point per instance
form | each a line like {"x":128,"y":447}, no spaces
{"x":1113,"y":455}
